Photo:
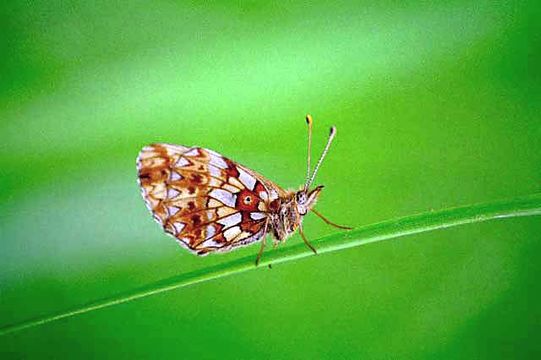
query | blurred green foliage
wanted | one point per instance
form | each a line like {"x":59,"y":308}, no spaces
{"x":436,"y":105}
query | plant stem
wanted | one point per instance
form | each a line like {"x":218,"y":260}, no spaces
{"x":390,"y":229}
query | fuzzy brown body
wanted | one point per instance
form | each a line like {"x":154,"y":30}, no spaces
{"x":286,"y":219}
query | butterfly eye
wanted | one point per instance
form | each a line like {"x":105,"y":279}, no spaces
{"x":248,"y":200}
{"x":301,"y":198}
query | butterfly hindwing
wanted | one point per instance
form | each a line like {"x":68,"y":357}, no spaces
{"x":206,"y":201}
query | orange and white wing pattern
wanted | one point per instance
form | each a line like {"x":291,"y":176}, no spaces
{"x":206,"y":201}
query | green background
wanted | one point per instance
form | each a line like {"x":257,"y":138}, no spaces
{"x":436,"y":105}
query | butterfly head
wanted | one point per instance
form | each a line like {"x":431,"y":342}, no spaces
{"x":305,"y":200}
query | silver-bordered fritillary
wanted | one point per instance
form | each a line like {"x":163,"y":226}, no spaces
{"x":210,"y":203}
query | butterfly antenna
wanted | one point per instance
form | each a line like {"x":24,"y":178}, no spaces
{"x":309,"y":122}
{"x":331,"y":138}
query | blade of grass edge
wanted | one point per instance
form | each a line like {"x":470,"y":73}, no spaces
{"x":389,"y":229}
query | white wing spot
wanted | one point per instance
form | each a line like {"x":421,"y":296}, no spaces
{"x":218,"y":161}
{"x":214,"y":182}
{"x":192,"y":152}
{"x":178,"y":226}
{"x":214,"y":171}
{"x":172,"y":193}
{"x":225,"y":197}
{"x":231,"y":220}
{"x":173,"y":210}
{"x":273,"y":195}
{"x":182,"y":162}
{"x":211,"y":231}
{"x":247,"y":179}
{"x":210,"y":243}
{"x":257,"y":215}
{"x":185,"y":242}
{"x":232,"y":233}
{"x":175,"y":176}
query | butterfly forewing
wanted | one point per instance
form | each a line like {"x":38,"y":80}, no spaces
{"x":206,"y":201}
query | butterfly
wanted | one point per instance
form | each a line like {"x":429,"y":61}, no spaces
{"x":210,"y":203}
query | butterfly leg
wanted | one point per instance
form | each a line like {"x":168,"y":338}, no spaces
{"x":330,"y":222}
{"x":260,"y":252}
{"x":306,"y":241}
{"x":263,"y":241}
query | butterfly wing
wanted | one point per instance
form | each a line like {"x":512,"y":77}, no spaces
{"x":206,"y":201}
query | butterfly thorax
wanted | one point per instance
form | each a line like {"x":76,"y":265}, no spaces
{"x":290,"y":212}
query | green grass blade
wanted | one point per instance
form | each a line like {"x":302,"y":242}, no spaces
{"x":390,"y":229}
